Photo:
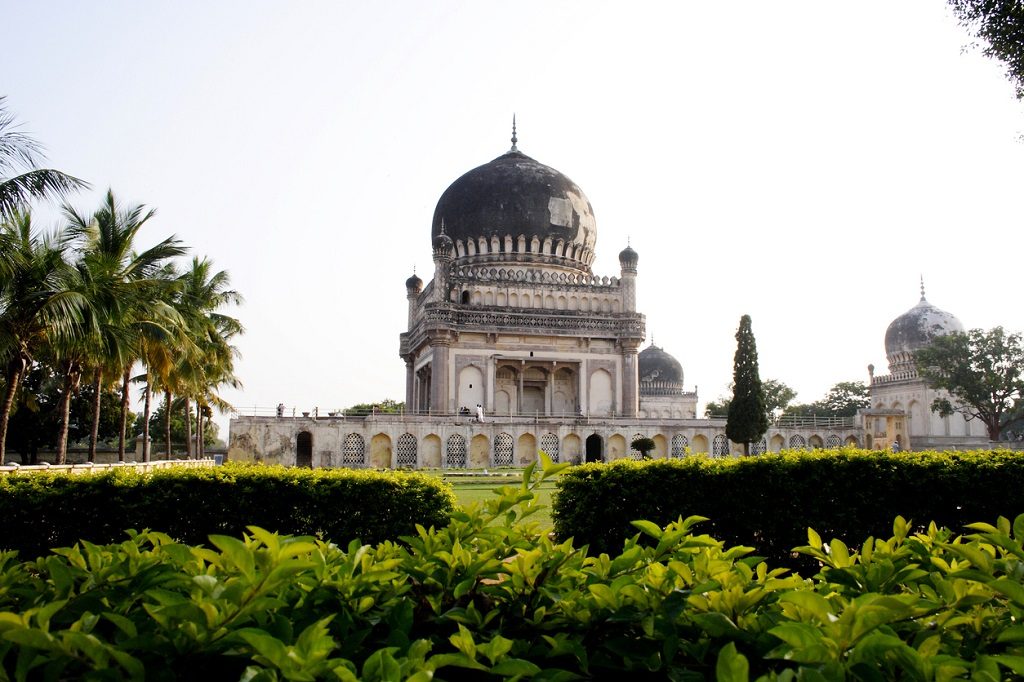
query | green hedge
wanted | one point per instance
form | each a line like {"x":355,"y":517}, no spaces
{"x":489,"y":597}
{"x":42,"y":510}
{"x":768,"y":501}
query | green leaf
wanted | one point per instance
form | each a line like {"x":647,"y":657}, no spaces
{"x":510,"y":667}
{"x":649,"y":528}
{"x":1014,"y":663}
{"x":732,"y":666}
{"x":1009,"y":588}
{"x":811,"y":602}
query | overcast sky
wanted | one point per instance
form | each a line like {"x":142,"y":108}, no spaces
{"x":801,"y":162}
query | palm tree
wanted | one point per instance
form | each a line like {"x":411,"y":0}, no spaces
{"x":37,"y":303}
{"x":131,"y":289}
{"x":199,"y":374}
{"x":21,"y":154}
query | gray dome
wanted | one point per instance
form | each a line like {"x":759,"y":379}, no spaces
{"x":414,"y":283}
{"x":515,"y":209}
{"x":660,"y":373}
{"x":915,"y":329}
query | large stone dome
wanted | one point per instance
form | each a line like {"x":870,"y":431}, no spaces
{"x":915,"y":329}
{"x":517,"y":210}
{"x":660,"y":373}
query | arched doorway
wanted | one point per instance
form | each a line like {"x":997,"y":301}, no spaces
{"x":304,"y":450}
{"x":595,"y":448}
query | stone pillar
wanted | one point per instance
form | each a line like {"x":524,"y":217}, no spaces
{"x":410,"y":385}
{"x":630,"y":378}
{"x":490,"y":386}
{"x":441,"y":346}
{"x":519,"y":397}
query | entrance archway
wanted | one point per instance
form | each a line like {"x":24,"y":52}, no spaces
{"x":595,"y":448}
{"x":304,"y":450}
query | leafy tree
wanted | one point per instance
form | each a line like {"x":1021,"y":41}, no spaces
{"x":643,"y":446}
{"x":845,"y":398}
{"x":386,"y":406}
{"x":982,"y":371}
{"x":179,"y":433}
{"x":999,"y":24}
{"x":35,"y":422}
{"x":37,"y":303}
{"x":842,"y":400}
{"x":748,"y":418}
{"x":128,"y":287}
{"x":20,"y":178}
{"x":777,"y":397}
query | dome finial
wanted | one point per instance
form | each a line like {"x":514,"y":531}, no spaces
{"x":442,"y":224}
{"x":514,"y":138}
{"x":922,"y":286}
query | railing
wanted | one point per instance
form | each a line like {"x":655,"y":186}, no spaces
{"x":92,"y":468}
{"x":794,"y":421}
{"x":414,"y":416}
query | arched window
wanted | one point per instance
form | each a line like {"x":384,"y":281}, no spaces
{"x":679,"y":445}
{"x":465,"y":297}
{"x":720,"y":446}
{"x":633,"y":452}
{"x":407,"y":450}
{"x":353,"y":451}
{"x":503,"y":450}
{"x":759,"y":447}
{"x":456,"y":452}
{"x":797,"y":442}
{"x":549,"y":444}
{"x":832,"y":441}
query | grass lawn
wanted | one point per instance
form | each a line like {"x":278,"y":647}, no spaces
{"x":470,"y":489}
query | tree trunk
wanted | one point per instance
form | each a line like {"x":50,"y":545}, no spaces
{"x":167,"y":421}
{"x":125,"y":399}
{"x":993,"y":430}
{"x":188,"y":428}
{"x":199,"y":431}
{"x":72,"y":376}
{"x":15,"y":368}
{"x":746,"y":449}
{"x":145,"y":423}
{"x":94,"y":433}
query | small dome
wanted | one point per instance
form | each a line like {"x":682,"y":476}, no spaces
{"x":628,"y":258}
{"x":443,"y":244}
{"x":660,"y":373}
{"x":915,"y":329}
{"x":515,"y":209}
{"x":414,"y":283}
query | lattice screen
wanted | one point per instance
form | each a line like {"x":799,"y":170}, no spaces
{"x":679,"y":445}
{"x":549,"y":444}
{"x":456,"y":452}
{"x":353,"y":451}
{"x":407,"y":450}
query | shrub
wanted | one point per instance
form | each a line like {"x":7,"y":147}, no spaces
{"x":768,"y":501}
{"x":491,"y":596}
{"x":49,"y":510}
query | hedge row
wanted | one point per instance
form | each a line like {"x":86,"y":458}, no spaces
{"x":490,"y":597}
{"x":43,"y":510}
{"x":769,"y":501}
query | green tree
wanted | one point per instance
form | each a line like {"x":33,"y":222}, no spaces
{"x":130,"y":291}
{"x":179,"y":433}
{"x":999,"y":25}
{"x":748,"y":418}
{"x":209,"y":364}
{"x":777,"y":398}
{"x":386,"y":406}
{"x":35,"y":422}
{"x":37,"y":302}
{"x":844,"y":399}
{"x":981,"y":371}
{"x":20,"y":178}
{"x":643,"y":446}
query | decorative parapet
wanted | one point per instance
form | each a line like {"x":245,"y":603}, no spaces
{"x":660,"y":388}
{"x":905,"y":375}
{"x":534,"y":276}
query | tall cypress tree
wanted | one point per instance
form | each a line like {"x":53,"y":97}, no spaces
{"x":748,"y":419}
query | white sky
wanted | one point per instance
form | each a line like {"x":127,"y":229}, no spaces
{"x":802,"y":162}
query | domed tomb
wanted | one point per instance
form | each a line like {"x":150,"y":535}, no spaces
{"x":517,"y":210}
{"x":915,"y":329}
{"x":660,"y":373}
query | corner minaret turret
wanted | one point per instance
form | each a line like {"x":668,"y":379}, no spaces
{"x":627,"y":262}
{"x":443,"y":253}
